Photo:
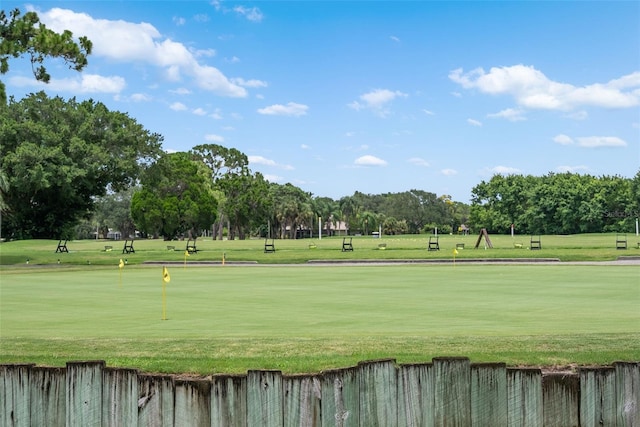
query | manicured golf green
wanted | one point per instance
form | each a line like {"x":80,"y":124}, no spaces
{"x":308,"y":318}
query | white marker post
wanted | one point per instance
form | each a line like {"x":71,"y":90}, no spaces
{"x":636,"y":226}
{"x":319,"y":228}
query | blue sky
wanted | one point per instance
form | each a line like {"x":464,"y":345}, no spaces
{"x":371,"y":96}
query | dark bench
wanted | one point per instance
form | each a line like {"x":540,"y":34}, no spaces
{"x":535,"y":243}
{"x":191,"y":246}
{"x":269,"y":247}
{"x":347,"y":244}
{"x":128,"y":247}
{"x":62,"y":247}
{"x":621,"y":241}
{"x":108,"y":248}
{"x":433,"y":243}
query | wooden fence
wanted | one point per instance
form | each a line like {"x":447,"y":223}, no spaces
{"x":446,"y":392}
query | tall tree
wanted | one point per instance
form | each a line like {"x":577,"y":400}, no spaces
{"x":60,"y":155}
{"x":25,"y":34}
{"x":176,"y":198}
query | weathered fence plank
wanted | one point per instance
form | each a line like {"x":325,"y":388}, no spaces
{"x":264,"y":398}
{"x":301,"y":401}
{"x":489,"y":394}
{"x":340,"y":398}
{"x":378,"y":393}
{"x":524,"y":398}
{"x":597,"y":397}
{"x":561,"y":400}
{"x":229,"y":401}
{"x":447,"y":392}
{"x":452,"y":391}
{"x":628,"y":393}
{"x":84,"y":393}
{"x":48,"y":396}
{"x":415,"y":395}
{"x":155,"y":401}
{"x":119,"y":397}
{"x":15,"y":396}
{"x":192,"y":403}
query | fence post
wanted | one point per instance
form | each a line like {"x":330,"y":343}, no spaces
{"x":378,"y":393}
{"x":415,"y":395}
{"x":560,"y":397}
{"x":628,"y":393}
{"x":597,"y":397}
{"x":84,"y":393}
{"x":155,"y":401}
{"x":301,"y":401}
{"x":48,"y":396}
{"x":489,"y":394}
{"x":452,"y":391}
{"x":192,"y":403}
{"x":119,"y":397}
{"x":340,"y":398}
{"x":229,"y":401}
{"x":264,"y":398}
{"x":15,"y":398}
{"x":524,"y":396}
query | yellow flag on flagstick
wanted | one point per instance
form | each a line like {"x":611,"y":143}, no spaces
{"x":186,"y":253}
{"x":455,"y":252}
{"x":165,"y":275}
{"x":121,"y":264}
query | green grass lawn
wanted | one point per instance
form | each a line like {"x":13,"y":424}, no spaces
{"x":308,"y":318}
{"x":584,"y":247}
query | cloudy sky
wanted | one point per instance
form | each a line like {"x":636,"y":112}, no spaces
{"x":371,"y":96}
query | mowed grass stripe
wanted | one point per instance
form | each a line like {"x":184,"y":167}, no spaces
{"x":305,"y":318}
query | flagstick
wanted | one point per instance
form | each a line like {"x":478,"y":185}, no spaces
{"x":164,"y":300}
{"x":120,"y":277}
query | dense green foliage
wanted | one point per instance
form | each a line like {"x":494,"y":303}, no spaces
{"x":58,"y":156}
{"x":565,"y":203}
{"x":176,"y":198}
{"x":25,"y":34}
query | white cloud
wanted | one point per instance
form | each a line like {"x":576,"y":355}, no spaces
{"x":259,"y":160}
{"x":600,"y":141}
{"x":178,"y":106}
{"x":511,"y":114}
{"x":505,"y":170}
{"x":214,"y":138}
{"x":532,"y":89}
{"x":449,"y":172}
{"x":369,"y":160}
{"x":474,"y":122}
{"x":395,"y":39}
{"x":249,"y":83}
{"x":305,"y":147}
{"x":199,"y":112}
{"x":253,"y":14}
{"x":272,"y":178}
{"x":418,"y":161}
{"x":572,"y":169}
{"x":141,"y":43}
{"x":563,"y":139}
{"x":179,"y":20}
{"x":291,"y":109}
{"x":590,"y":141}
{"x":84,"y":83}
{"x":428,"y":112}
{"x":140,"y":97}
{"x":181,"y":91}
{"x":377,"y":101}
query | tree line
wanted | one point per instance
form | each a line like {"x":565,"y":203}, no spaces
{"x":556,"y":203}
{"x":76,"y":169}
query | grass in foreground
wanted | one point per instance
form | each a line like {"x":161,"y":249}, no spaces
{"x":306,"y":319}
